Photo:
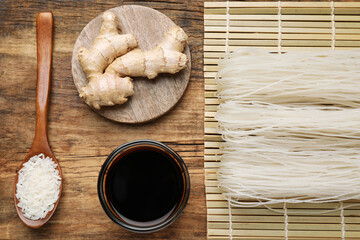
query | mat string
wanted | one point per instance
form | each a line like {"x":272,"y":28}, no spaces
{"x":286,"y":222}
{"x":230,"y":221}
{"x":227,"y":51}
{"x":227,"y":27}
{"x":342,"y":220}
{"x":333,"y":33}
{"x":279,"y":27}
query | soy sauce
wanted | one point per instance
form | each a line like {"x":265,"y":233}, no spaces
{"x":144,"y":186}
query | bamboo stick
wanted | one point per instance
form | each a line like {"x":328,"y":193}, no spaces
{"x":212,"y":183}
{"x":210,"y":94}
{"x":208,"y":61}
{"x":271,"y":4}
{"x":210,"y":124}
{"x":270,"y":238}
{"x":210,"y":151}
{"x":210,"y":120}
{"x":273,"y":29}
{"x":286,"y":36}
{"x":249,"y":226}
{"x":234,"y":23}
{"x":212,"y":101}
{"x":284,"y":23}
{"x":347,"y":44}
{"x":275,"y":226}
{"x":274,"y":11}
{"x":276,"y":233}
{"x":280,"y":219}
{"x":285,"y":43}
{"x":209,"y":158}
{"x":209,"y":114}
{"x":210,"y":87}
{"x":208,"y":177}
{"x":284,"y":4}
{"x":210,"y":108}
{"x":209,"y":138}
{"x":275,"y":17}
{"x":221,"y":42}
{"x":212,"y":145}
{"x":221,"y":50}
{"x":322,"y":206}
{"x":218,"y":44}
{"x":246,"y":219}
{"x":264,"y":211}
{"x":212,"y":165}
{"x":351,"y":18}
{"x":214,"y":190}
{"x":285,"y":11}
{"x":211,"y":68}
{"x":280,"y":233}
{"x":210,"y":81}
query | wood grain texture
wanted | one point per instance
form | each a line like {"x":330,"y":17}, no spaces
{"x":80,"y":138}
{"x":153,"y":97}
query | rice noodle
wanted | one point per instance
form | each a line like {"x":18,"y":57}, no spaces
{"x":291,"y":125}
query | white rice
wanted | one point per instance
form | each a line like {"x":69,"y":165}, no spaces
{"x":38,"y":186}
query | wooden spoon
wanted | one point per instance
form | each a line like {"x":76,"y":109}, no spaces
{"x":44,"y":33}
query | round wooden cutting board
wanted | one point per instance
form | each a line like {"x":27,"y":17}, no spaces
{"x":152,"y":98}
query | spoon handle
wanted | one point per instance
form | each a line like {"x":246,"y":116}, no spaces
{"x":44,"y":37}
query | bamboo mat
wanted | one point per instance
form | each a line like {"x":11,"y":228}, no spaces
{"x":304,"y":25}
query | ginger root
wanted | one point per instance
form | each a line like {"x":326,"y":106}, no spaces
{"x":107,"y":46}
{"x":114,"y":85}
{"x":167,"y":57}
{"x":105,"y":89}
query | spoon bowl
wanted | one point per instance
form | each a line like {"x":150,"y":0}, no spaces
{"x":45,"y":149}
{"x":44,"y":32}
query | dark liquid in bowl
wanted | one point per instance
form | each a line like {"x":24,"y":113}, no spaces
{"x":144,"y":186}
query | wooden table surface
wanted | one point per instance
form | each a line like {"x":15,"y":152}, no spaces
{"x":80,"y":138}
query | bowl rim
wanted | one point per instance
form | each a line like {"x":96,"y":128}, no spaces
{"x":103,"y":172}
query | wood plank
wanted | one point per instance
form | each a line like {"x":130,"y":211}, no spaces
{"x":81,"y":139}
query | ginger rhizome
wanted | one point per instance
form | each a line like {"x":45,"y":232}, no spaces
{"x":115,"y":53}
{"x":167,"y":57}
{"x":105,"y":89}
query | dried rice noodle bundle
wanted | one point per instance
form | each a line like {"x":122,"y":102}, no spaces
{"x":291,"y":79}
{"x":291,"y":125}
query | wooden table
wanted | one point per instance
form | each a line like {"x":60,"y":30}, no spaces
{"x":80,"y":138}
